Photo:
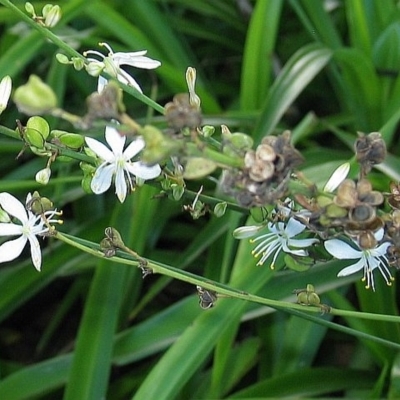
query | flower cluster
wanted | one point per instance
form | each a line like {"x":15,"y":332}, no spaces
{"x":266,"y":173}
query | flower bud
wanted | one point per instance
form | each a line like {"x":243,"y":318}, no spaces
{"x":94,"y":68}
{"x":220,"y":209}
{"x":30,"y":9}
{"x":207,"y":131}
{"x":158,"y":147}
{"x":43,"y":176}
{"x":194,"y":100}
{"x":51,"y":14}
{"x":245,"y":232}
{"x":198,"y":167}
{"x":70,"y":140}
{"x":36,"y":132}
{"x":5,"y":91}
{"x":39,"y":205}
{"x":35,"y":97}
{"x":177,"y":191}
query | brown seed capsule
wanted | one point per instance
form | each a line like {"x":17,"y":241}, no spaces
{"x":367,"y":240}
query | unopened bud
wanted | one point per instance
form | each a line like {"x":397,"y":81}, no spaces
{"x":43,"y":176}
{"x":5,"y":91}
{"x":194,"y":100}
{"x":245,"y":232}
{"x":35,"y":97}
{"x":51,"y":15}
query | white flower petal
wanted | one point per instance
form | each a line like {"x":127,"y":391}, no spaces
{"x":100,"y":149}
{"x":338,"y":176}
{"x":294,"y":227}
{"x":12,"y":249}
{"x":341,"y":250}
{"x":10,"y":229}
{"x":120,"y":185}
{"x":35,"y":252}
{"x":134,"y":148}
{"x":101,"y":83}
{"x":102,"y":178}
{"x":13,"y":206}
{"x":380,"y":250}
{"x":136,"y":59}
{"x":351,"y":269}
{"x":115,"y":140}
{"x":143,"y":171}
{"x":301,"y":242}
{"x":124,"y":77}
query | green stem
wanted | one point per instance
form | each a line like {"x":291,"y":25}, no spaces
{"x":226,"y":291}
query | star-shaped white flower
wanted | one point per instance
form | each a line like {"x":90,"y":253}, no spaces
{"x":117,"y":162}
{"x":281,"y":237}
{"x":111,"y":65}
{"x":368,"y":259}
{"x":30,"y":226}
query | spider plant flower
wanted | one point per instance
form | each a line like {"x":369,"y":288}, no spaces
{"x":366,"y":259}
{"x":30,"y":226}
{"x":112,"y":62}
{"x":117,"y":162}
{"x":281,"y":237}
{"x":5,"y":91}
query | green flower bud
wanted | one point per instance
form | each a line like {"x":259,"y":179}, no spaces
{"x":35,"y":97}
{"x":296,"y":265}
{"x":70,"y":140}
{"x":29,"y":8}
{"x":62,"y":59}
{"x":207,"y":131}
{"x":220,"y":209}
{"x":177,"y":191}
{"x":40,"y":125}
{"x":78,"y":63}
{"x":85,"y":183}
{"x":198,"y":167}
{"x":87,"y":169}
{"x":259,"y":214}
{"x":158,"y":147}
{"x":39,"y":205}
{"x":334,"y":211}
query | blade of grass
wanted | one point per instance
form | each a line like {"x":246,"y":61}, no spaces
{"x":257,"y":58}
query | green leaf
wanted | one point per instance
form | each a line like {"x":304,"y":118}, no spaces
{"x":303,"y":66}
{"x":257,"y":59}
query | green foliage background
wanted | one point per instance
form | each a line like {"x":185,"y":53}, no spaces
{"x":85,"y":328}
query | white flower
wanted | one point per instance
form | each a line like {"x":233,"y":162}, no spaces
{"x":111,"y":65}
{"x":30,"y":227}
{"x":118,"y":162}
{"x":368,"y":259}
{"x":5,"y":91}
{"x":281,"y":238}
